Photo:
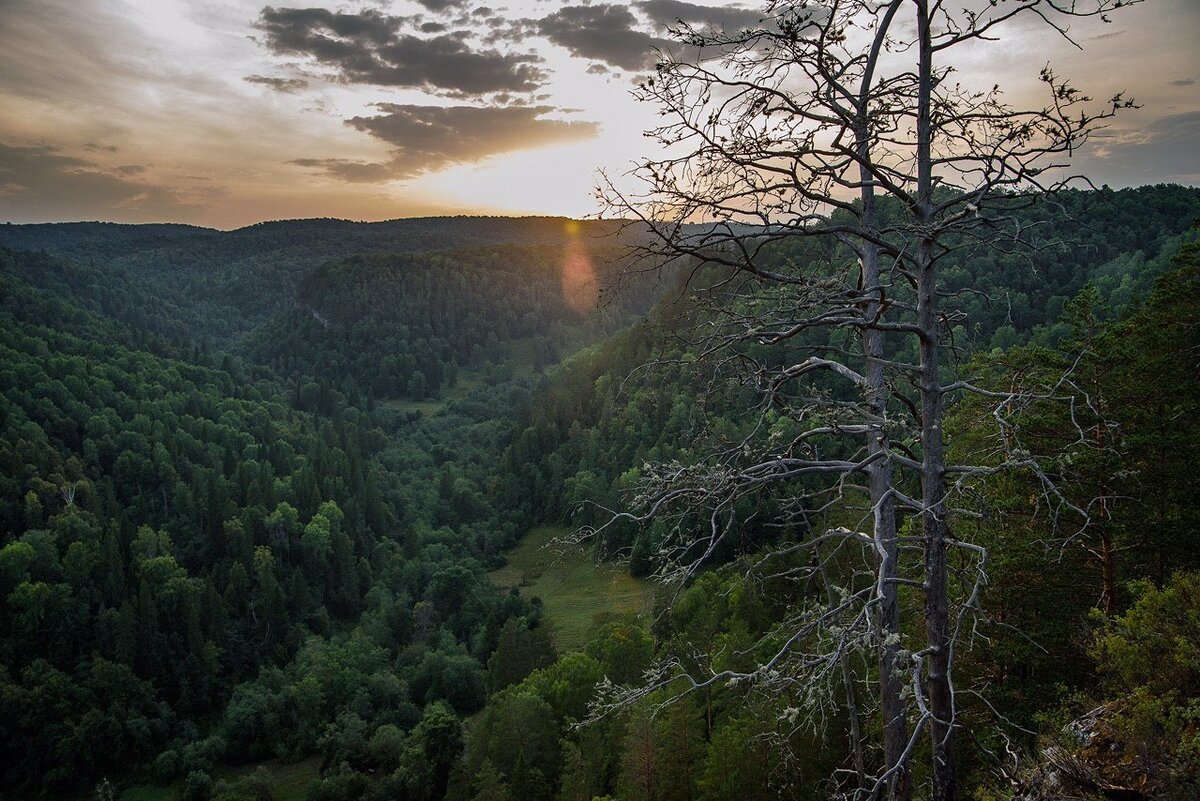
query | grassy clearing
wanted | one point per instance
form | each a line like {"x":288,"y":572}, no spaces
{"x":289,"y":781}
{"x":462,"y":388}
{"x":578,"y":593}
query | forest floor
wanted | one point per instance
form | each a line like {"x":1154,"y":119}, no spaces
{"x":290,"y":781}
{"x":578,"y":593}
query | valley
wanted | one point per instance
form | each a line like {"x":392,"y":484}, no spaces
{"x":424,"y":400}
{"x":249,"y":552}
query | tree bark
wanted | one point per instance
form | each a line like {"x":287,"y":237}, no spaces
{"x":879,"y":473}
{"x":933,"y":463}
{"x":1108,"y":571}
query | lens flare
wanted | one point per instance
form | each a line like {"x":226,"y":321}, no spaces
{"x":579,"y":287}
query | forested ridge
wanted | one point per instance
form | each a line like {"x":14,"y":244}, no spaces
{"x":998,"y":300}
{"x":409,"y":325}
{"x":213,"y":286}
{"x":254,"y":483}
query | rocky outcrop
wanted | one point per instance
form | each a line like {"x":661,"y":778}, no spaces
{"x":1090,"y":761}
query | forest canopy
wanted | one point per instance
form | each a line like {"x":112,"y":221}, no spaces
{"x":233,"y":546}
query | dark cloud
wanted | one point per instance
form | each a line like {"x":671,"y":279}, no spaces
{"x":1183,"y":82}
{"x":287,"y":85}
{"x":1176,"y":127}
{"x":603,"y":32}
{"x":440,"y":5}
{"x":612,"y":34}
{"x":43,"y":183}
{"x":514,"y":31}
{"x":505,"y":99}
{"x":331,"y":35}
{"x":428,"y":138}
{"x":370,"y":47}
{"x":669,"y":12}
{"x":355,"y":172}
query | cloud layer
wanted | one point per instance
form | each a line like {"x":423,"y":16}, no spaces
{"x":472,"y":55}
{"x":606,"y":33}
{"x":373,"y":48}
{"x":428,"y":138}
{"x":41,"y":179}
{"x":235,"y":111}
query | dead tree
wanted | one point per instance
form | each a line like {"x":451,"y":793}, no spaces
{"x":840,"y":123}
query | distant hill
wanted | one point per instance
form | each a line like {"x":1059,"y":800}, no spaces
{"x":213,"y":286}
{"x":331,"y":237}
{"x":406,"y":325}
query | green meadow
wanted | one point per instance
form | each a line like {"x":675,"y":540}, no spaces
{"x":577,"y":592}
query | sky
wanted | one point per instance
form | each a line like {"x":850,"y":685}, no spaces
{"x":225,"y":113}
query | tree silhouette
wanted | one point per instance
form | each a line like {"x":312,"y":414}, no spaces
{"x":814,"y":173}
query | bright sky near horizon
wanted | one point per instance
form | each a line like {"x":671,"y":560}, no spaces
{"x":226,"y":113}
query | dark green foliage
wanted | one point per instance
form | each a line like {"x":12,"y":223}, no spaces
{"x":206,"y":286}
{"x":1136,"y":731}
{"x":195,"y":572}
{"x":1149,"y":660}
{"x":520,"y":650}
{"x":1135,"y":398}
{"x":605,"y":413}
{"x":1134,"y":357}
{"x":410,"y":325}
{"x":224,"y":539}
{"x":93,"y":722}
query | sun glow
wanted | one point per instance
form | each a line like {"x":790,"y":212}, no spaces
{"x":579,"y":286}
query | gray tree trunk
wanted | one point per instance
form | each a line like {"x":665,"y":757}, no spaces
{"x":933,"y":462}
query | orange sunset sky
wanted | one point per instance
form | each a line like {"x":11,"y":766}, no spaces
{"x":225,"y":113}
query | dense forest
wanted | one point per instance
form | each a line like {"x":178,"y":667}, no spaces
{"x":259,"y":484}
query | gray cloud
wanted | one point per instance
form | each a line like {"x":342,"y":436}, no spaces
{"x":428,"y":138}
{"x":440,"y":5}
{"x":43,"y":183}
{"x":312,"y":30}
{"x":1176,"y":127}
{"x":669,"y":12}
{"x":370,"y":47}
{"x":1183,"y":82}
{"x":612,"y":34}
{"x":603,"y":32}
{"x":355,"y":172}
{"x":287,"y":85}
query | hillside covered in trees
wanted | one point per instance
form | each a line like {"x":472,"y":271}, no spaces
{"x":257,"y":482}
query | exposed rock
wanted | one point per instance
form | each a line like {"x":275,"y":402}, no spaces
{"x":1089,"y":762}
